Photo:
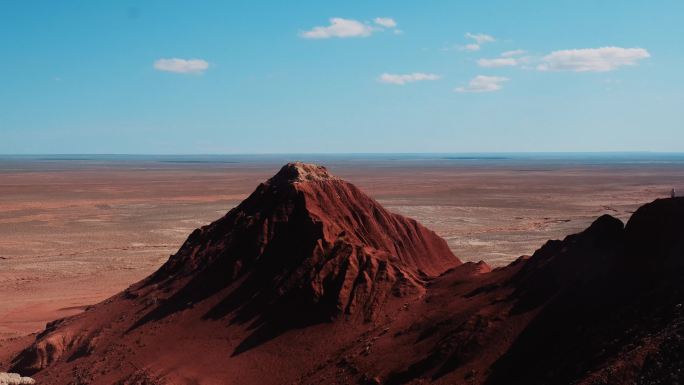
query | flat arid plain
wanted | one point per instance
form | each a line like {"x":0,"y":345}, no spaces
{"x":75,"y":230}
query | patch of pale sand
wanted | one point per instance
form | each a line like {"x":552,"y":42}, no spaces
{"x":125,"y":203}
{"x":195,"y":223}
{"x":22,"y":317}
{"x":173,"y":231}
{"x":28,"y":306}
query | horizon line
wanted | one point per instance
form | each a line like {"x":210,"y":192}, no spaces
{"x":338,"y":153}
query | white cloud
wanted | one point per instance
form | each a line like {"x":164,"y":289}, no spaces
{"x":498,"y":62}
{"x":592,"y":59}
{"x":386,"y":22}
{"x":480,"y":38}
{"x":183,"y":66}
{"x":471,"y":47}
{"x":340,"y":28}
{"x":401,"y":79}
{"x":515,"y":52}
{"x":483,"y":83}
{"x":506,"y":59}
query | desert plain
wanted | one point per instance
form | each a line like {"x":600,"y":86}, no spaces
{"x":76,"y":230}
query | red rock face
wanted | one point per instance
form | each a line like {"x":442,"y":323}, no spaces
{"x":305,"y":247}
{"x":310,"y":281}
{"x":307,"y":243}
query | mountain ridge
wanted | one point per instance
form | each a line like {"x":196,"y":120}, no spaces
{"x":311,"y":281}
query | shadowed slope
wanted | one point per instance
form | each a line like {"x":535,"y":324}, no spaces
{"x":305,"y":247}
{"x":600,"y":307}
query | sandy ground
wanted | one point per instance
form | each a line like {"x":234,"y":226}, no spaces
{"x":75,"y":232}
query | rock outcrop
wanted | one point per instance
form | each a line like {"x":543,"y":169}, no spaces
{"x":310,"y":281}
{"x":15,"y":379}
{"x":304,"y":248}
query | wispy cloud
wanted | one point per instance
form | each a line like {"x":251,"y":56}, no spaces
{"x":506,"y":59}
{"x":592,"y":59}
{"x":386,"y":22}
{"x":182,"y":66}
{"x":481,"y":83}
{"x":498,"y":62}
{"x":515,"y":52}
{"x":471,"y":47}
{"x":401,"y":79}
{"x":340,"y":28}
{"x":480,"y":38}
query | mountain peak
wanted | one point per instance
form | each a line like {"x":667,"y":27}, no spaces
{"x":304,"y":248}
{"x":301,"y":172}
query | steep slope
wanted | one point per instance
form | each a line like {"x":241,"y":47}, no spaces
{"x":308,"y":248}
{"x":607,"y":299}
{"x":600,"y":307}
{"x":309,"y":281}
{"x":305,"y":248}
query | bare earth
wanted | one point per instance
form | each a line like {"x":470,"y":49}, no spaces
{"x":74,"y":232}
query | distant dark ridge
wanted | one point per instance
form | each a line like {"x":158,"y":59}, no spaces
{"x":197,"y":161}
{"x":475,"y":158}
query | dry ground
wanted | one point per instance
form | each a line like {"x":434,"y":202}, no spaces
{"x":75,"y":232}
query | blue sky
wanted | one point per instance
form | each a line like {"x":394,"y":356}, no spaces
{"x":160,"y":77}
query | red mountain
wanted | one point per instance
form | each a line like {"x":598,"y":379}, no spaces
{"x":304,"y":248}
{"x":310,"y":281}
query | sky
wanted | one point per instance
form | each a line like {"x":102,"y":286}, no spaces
{"x":396,"y":76}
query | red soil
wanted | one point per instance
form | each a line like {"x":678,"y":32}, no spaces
{"x":311,"y":281}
